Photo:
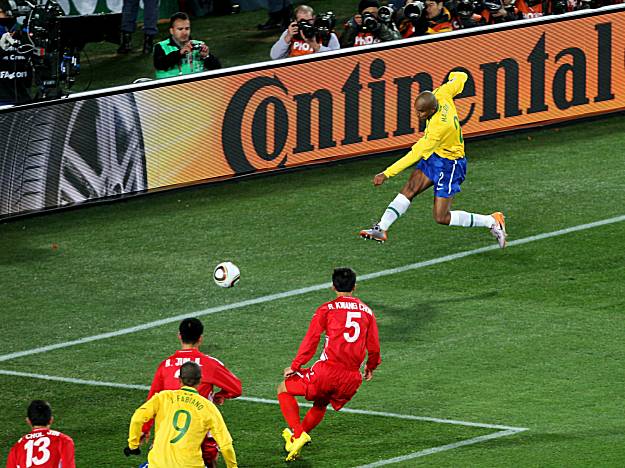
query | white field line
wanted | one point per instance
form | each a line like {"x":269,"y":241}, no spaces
{"x":98,"y":383}
{"x":300,"y":291}
{"x":443,"y":448}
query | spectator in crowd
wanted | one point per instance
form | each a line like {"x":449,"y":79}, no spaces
{"x":439,"y":18}
{"x":42,"y":447}
{"x":303,"y":37}
{"x":366,"y":28}
{"x":181,"y":55}
{"x":279,"y":15}
{"x":130,"y":10}
{"x":15,"y":61}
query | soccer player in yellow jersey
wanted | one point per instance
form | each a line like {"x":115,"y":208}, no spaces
{"x":441,"y":163}
{"x":183,"y":417}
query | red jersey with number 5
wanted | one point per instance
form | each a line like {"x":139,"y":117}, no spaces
{"x":351,"y":333}
{"x":42,"y":448}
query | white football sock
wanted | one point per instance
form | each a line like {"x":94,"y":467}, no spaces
{"x":464,"y":219}
{"x":395,"y":209}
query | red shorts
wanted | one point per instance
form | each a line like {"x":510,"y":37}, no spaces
{"x":210,"y":450}
{"x":325,"y":383}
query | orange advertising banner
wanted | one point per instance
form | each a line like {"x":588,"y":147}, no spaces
{"x":275,"y":115}
{"x":361,"y":101}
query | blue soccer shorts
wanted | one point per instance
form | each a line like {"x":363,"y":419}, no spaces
{"x":446,"y":174}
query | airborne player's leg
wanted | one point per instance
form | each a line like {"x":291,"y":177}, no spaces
{"x":417,"y":183}
{"x":451,"y":175}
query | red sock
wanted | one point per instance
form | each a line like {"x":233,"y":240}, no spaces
{"x":313,"y":418}
{"x":290,"y":411}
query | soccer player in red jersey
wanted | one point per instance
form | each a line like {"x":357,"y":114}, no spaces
{"x":42,"y":447}
{"x":214,"y":373}
{"x":351,"y":333}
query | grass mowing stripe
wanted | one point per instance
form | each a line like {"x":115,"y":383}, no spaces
{"x":97,"y":383}
{"x":443,"y":448}
{"x":300,"y":291}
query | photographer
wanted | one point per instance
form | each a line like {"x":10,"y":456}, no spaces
{"x":366,"y":28}
{"x":465,"y":14}
{"x":411,"y":19}
{"x":181,"y":55}
{"x":15,"y":61}
{"x":499,"y":11}
{"x":306,"y":35}
{"x":472,"y":13}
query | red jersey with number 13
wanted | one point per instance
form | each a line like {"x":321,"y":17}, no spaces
{"x":351,"y":332}
{"x":42,"y":448}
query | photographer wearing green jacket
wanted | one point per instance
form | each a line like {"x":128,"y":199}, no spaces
{"x":181,"y":55}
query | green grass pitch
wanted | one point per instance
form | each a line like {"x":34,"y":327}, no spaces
{"x":528,"y":337}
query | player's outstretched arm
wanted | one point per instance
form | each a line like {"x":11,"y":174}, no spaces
{"x":426,"y":145}
{"x":379,"y":179}
{"x":454,"y":85}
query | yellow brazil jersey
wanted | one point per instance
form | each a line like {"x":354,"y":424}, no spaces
{"x":443,"y":134}
{"x":182,"y":417}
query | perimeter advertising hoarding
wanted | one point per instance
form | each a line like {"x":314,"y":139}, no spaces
{"x":306,"y":111}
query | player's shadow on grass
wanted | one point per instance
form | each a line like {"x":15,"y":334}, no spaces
{"x":25,"y":254}
{"x":399,"y":323}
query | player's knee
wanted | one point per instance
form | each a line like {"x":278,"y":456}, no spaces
{"x":281,"y":388}
{"x":408,"y":192}
{"x":442,"y":218}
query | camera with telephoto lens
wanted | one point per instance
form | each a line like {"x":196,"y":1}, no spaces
{"x":559,"y":7}
{"x":369,"y":22}
{"x":414,"y":11}
{"x":385,"y":13}
{"x":588,"y":4}
{"x":465,"y":8}
{"x":307,"y":30}
{"x":493,"y":5}
{"x":324,"y":25}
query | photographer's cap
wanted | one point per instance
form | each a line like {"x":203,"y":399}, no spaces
{"x":364,"y":4}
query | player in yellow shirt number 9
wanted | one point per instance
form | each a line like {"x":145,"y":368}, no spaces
{"x":182,"y":418}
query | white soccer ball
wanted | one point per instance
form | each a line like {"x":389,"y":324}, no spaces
{"x":226,"y":274}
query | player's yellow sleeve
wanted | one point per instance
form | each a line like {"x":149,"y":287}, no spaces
{"x":143,"y":414}
{"x":219,"y":432}
{"x":454,"y":85}
{"x":422,"y":148}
